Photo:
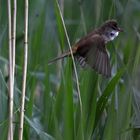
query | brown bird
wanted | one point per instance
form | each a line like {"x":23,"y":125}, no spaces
{"x":91,"y":50}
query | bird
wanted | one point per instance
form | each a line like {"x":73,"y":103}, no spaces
{"x":91,"y":49}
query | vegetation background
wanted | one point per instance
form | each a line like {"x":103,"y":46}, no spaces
{"x":110,"y":107}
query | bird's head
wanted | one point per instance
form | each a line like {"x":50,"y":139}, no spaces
{"x":110,"y":30}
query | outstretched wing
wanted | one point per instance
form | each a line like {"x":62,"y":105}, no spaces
{"x":92,"y":52}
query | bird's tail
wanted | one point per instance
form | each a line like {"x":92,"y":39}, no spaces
{"x":59,"y":57}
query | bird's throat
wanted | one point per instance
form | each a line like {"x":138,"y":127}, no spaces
{"x":110,"y":36}
{"x":113,"y":35}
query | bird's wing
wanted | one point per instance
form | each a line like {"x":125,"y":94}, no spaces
{"x":92,"y":52}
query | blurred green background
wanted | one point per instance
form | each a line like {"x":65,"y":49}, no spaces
{"x":110,"y":107}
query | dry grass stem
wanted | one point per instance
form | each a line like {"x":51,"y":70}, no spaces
{"x":10,"y":129}
{"x":14,"y":37}
{"x":74,"y":65}
{"x":24,"y":72}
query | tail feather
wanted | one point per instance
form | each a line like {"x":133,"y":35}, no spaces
{"x":59,"y":57}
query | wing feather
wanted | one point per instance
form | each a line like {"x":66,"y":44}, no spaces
{"x":93,"y":53}
{"x":100,"y":63}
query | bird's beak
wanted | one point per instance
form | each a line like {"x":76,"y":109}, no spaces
{"x":119,"y":29}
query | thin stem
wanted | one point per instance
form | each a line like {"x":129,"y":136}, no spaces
{"x":24,"y":72}
{"x":62,"y":6}
{"x":10,"y":130}
{"x":14,"y":37}
{"x":75,"y":70}
{"x":59,"y":50}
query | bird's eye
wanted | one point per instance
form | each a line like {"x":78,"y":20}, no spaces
{"x":111,"y":34}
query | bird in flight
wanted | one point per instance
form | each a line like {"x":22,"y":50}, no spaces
{"x":91,"y":50}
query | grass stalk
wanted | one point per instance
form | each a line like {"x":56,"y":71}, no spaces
{"x":14,"y":38}
{"x":74,"y":65}
{"x":59,"y":50}
{"x":24,"y":72}
{"x":10,"y":129}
